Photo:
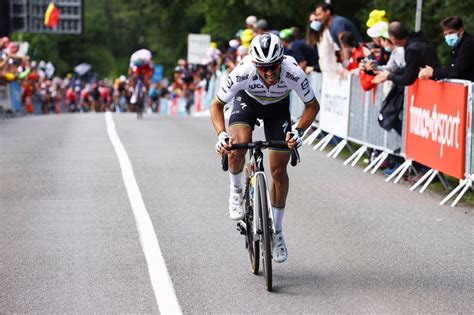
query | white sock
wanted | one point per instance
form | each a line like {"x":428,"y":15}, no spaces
{"x":278,"y":218}
{"x":235,"y":182}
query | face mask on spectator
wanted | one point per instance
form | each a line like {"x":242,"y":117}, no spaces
{"x":315,"y":25}
{"x":388,"y":49}
{"x":451,"y":39}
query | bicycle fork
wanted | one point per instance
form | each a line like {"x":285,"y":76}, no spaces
{"x":256,"y":200}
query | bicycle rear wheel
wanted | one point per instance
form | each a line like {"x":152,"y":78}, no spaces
{"x":266,"y":229}
{"x":252,"y":246}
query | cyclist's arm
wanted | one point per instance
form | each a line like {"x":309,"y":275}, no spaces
{"x":235,"y":82}
{"x":310,"y":112}
{"x":217,"y":115}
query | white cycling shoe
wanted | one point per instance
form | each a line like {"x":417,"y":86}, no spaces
{"x":236,"y":206}
{"x":279,"y":251}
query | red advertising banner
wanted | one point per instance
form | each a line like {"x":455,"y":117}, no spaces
{"x":436,"y":125}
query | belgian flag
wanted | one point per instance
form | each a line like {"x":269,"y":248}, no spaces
{"x":51,"y":16}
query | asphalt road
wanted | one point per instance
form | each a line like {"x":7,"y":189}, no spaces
{"x":69,"y":242}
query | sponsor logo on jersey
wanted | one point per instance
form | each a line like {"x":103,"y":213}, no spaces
{"x":240,"y":78}
{"x":243,"y":105}
{"x":256,"y":86}
{"x":229,"y":82}
{"x":292,"y":77}
{"x":255,"y":77}
{"x":305,"y":84}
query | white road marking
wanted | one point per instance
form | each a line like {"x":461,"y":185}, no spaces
{"x":160,"y":279}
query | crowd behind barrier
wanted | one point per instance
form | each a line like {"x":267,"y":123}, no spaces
{"x":349,"y":89}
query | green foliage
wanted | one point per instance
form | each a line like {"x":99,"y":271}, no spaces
{"x":116,"y":28}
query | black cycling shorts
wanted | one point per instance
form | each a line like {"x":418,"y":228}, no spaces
{"x":276,"y":117}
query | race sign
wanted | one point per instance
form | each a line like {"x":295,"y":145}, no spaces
{"x":158,"y":75}
{"x":198,"y":45}
{"x":335,"y":99}
{"x":436,"y":125}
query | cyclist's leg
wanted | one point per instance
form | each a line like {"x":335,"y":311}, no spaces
{"x":277,"y":124}
{"x":241,"y":124}
{"x":280,"y":181}
{"x":240,"y":133}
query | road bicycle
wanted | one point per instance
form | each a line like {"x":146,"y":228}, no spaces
{"x":257,"y":224}
{"x":139,"y":93}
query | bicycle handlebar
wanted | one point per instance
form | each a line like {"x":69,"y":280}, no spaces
{"x":295,"y":156}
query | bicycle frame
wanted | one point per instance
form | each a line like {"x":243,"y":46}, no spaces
{"x":256,"y":159}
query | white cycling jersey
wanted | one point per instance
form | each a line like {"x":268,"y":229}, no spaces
{"x":144,"y":55}
{"x":245,"y":77}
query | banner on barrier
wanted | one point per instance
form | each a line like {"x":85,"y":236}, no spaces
{"x":435,"y":125}
{"x":335,"y":100}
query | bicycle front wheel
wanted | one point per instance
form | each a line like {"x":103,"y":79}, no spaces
{"x":252,"y":245}
{"x":266,"y":233}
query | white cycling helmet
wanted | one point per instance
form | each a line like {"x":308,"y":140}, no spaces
{"x":266,"y":48}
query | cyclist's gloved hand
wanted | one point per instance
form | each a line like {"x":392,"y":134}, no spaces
{"x":222,"y":141}
{"x":295,"y":138}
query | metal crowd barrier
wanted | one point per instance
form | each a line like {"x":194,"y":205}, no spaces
{"x":6,"y":107}
{"x":363,"y":129}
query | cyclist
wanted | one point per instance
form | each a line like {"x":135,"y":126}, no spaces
{"x":141,"y":63}
{"x":260,"y":86}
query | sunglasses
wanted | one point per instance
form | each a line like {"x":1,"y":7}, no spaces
{"x":272,"y":67}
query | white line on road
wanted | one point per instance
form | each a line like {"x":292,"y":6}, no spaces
{"x":160,"y":279}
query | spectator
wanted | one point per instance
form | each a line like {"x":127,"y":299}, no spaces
{"x":261,"y":27}
{"x":312,"y":38}
{"x":337,"y":24}
{"x":5,"y":41}
{"x":305,"y":55}
{"x":247,"y":35}
{"x":351,"y":62}
{"x":327,"y":48}
{"x":241,"y":52}
{"x":375,"y":32}
{"x":395,"y":54}
{"x":462,"y":55}
{"x":419,"y":52}
{"x":375,"y":17}
{"x":396,"y":60}
{"x":286,"y":37}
